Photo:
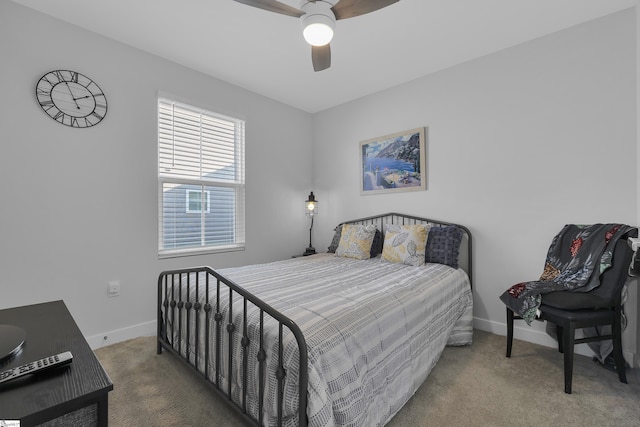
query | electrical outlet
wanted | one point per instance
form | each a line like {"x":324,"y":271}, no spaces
{"x":114,"y":288}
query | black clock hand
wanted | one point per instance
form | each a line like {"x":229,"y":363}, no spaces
{"x":82,"y":97}
{"x":71,"y":93}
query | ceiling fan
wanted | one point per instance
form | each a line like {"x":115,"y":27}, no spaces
{"x":318,"y":18}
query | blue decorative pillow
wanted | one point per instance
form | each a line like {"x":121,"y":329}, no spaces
{"x":443,"y":245}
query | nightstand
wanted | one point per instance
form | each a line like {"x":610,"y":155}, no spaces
{"x":76,"y":394}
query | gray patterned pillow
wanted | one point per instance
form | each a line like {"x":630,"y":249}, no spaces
{"x":376,"y":245}
{"x":355,"y":241}
{"x":405,"y":244}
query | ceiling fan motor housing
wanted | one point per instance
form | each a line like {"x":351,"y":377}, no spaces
{"x":318,"y":15}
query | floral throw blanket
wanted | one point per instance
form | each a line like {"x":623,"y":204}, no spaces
{"x":577,"y":256}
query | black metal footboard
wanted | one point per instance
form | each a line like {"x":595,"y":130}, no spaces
{"x":218,"y":328}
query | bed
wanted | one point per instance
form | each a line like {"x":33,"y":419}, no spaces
{"x":328,"y":339}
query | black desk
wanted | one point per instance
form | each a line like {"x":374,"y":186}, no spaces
{"x":76,"y":394}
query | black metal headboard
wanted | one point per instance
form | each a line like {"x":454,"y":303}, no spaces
{"x":380,"y":221}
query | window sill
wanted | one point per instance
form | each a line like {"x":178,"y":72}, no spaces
{"x":198,"y":251}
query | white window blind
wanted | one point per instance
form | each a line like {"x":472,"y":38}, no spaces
{"x":200,"y":179}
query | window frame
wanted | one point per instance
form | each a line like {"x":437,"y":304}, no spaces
{"x":167,"y":179}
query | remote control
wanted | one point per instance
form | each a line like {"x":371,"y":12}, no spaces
{"x":36,"y":366}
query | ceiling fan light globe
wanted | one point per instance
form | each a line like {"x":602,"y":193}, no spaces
{"x":318,"y":22}
{"x":318,"y":34}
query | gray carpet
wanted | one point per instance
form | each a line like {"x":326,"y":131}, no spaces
{"x":470,"y":386}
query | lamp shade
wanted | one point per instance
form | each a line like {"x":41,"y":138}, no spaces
{"x":311,"y":205}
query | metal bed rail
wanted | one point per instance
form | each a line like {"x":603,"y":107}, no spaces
{"x":179,"y":298}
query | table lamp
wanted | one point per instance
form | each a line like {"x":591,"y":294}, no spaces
{"x":311,"y":210}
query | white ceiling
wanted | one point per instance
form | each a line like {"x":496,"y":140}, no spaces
{"x":264,"y":52}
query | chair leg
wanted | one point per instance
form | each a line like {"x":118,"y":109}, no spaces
{"x":568,"y":337}
{"x":559,"y":337}
{"x":617,"y":348}
{"x":509,"y":331}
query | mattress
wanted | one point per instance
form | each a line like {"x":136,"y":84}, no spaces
{"x":374,"y":330}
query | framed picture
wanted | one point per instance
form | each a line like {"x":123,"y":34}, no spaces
{"x":393,"y":163}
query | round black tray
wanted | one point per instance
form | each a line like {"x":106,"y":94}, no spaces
{"x":11,"y":341}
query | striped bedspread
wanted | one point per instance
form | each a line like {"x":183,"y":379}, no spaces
{"x":374,"y":330}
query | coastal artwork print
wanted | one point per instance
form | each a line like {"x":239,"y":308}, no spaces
{"x":393,"y":163}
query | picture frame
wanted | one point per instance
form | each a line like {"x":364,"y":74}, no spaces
{"x":394,"y":163}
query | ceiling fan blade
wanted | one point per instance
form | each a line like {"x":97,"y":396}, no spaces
{"x":350,"y":8}
{"x":321,"y":57}
{"x":273,"y":6}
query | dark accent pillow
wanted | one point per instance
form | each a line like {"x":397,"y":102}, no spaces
{"x":376,"y":246}
{"x":336,"y":240}
{"x":443,"y":245}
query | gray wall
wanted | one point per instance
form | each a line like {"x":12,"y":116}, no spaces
{"x":80,"y":206}
{"x":520,"y":142}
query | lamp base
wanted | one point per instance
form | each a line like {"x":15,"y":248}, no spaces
{"x":309,"y":251}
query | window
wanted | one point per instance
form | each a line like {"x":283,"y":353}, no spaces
{"x":195,"y":201}
{"x":200,"y":180}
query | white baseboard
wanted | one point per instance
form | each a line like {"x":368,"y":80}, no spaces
{"x":526,"y":333}
{"x":141,"y":330}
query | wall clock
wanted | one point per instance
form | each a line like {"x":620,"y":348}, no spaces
{"x":71,"y":98}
